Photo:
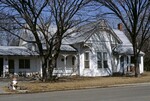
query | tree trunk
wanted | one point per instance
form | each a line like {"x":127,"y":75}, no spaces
{"x":50,"y":70}
{"x":137,"y":74}
{"x":136,"y":66}
{"x":44,"y":78}
{"x":44,"y":71}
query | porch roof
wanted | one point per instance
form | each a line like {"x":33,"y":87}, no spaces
{"x":125,"y":50}
{"x":16,"y":51}
{"x":67,"y":48}
{"x":64,"y":47}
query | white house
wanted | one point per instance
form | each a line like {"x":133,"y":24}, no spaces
{"x":98,"y":50}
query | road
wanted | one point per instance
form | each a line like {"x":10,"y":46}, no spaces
{"x":128,"y":93}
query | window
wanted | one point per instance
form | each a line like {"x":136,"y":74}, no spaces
{"x":99,"y":59}
{"x":102,"y":60}
{"x":86,"y":60}
{"x":24,"y":63}
{"x":122,"y":59}
{"x":105,"y":60}
{"x":127,"y":59}
{"x":73,"y":60}
{"x":139,"y":59}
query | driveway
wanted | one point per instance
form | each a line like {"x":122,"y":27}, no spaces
{"x":126,"y":93}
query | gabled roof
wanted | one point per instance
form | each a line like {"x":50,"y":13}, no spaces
{"x":122,"y":37}
{"x":87,"y":31}
{"x":126,"y":47}
{"x":16,"y":51}
{"x":82,"y":35}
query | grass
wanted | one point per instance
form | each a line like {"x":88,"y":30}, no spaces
{"x":72,"y":83}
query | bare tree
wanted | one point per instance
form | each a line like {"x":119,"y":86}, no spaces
{"x":135,"y":16}
{"x":6,"y":38}
{"x":39,"y":16}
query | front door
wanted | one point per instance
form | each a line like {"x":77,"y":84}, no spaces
{"x":1,"y":67}
{"x":11,"y":66}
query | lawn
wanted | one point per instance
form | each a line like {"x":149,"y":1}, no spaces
{"x":75,"y":82}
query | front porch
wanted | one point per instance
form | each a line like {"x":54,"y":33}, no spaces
{"x":126,"y":65}
{"x":125,"y":61}
{"x":67,"y":65}
{"x":19,"y":66}
{"x":6,"y":66}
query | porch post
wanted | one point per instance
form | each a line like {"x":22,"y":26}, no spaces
{"x":125,"y":65}
{"x":76,"y":64}
{"x":65,"y":63}
{"x":129,"y":63}
{"x":5,"y":66}
{"x":119,"y":66}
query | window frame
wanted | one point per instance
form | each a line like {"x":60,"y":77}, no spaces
{"x":99,"y":60}
{"x":103,"y":61}
{"x":24,"y":63}
{"x":86,"y":60}
{"x":138,"y":60}
{"x":73,"y":60}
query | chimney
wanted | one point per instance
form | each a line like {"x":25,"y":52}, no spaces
{"x":120,"y":26}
